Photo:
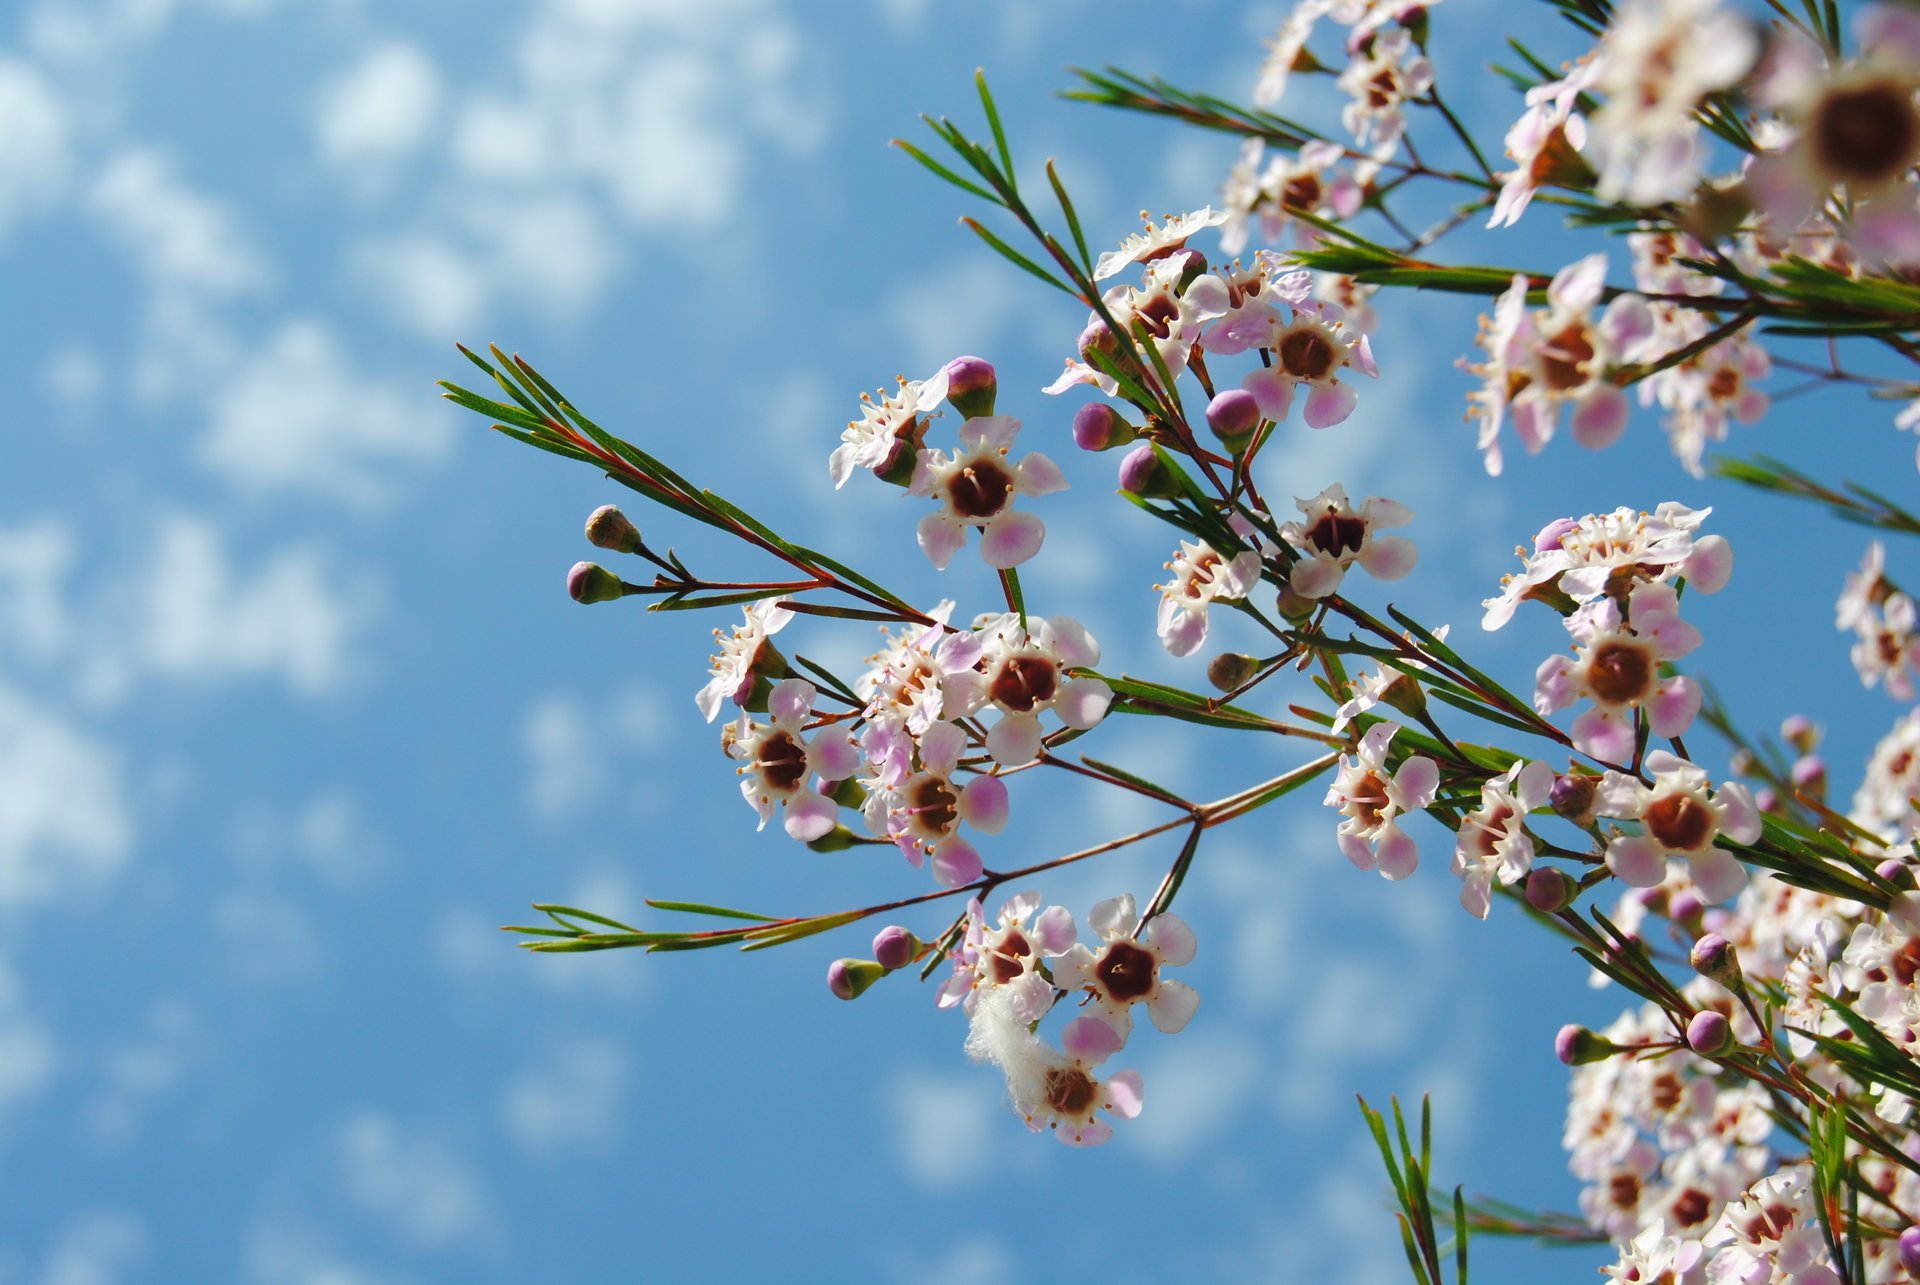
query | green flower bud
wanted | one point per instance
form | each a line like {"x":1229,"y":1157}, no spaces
{"x":591,"y":582}
{"x":850,"y":978}
{"x":1230,"y":669}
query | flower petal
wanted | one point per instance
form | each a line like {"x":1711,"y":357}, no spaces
{"x":1172,"y":1006}
{"x":1083,"y":702}
{"x":1638,"y":860}
{"x":1011,"y":539}
{"x":1329,"y":404}
{"x":1125,"y":1094}
{"x":1090,"y":1040}
{"x":1170,"y":938}
{"x":1718,"y":874}
{"x":1015,"y":739}
{"x":1389,"y":557}
{"x":1038,"y":475}
{"x":1053,"y":933}
{"x":1113,"y":917}
{"x":983,"y":804}
{"x":940,"y":538}
{"x":811,"y":816}
{"x":955,"y":863}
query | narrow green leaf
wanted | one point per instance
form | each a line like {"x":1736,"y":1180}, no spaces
{"x":1016,"y":258}
{"x":941,"y":171}
{"x":696,"y":908}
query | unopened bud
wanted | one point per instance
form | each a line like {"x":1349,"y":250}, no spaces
{"x":608,"y":528}
{"x":1896,"y":872}
{"x":1572,"y":797}
{"x":1229,"y":670}
{"x":1686,"y":907}
{"x":1714,"y":958}
{"x":591,"y":582}
{"x":1143,"y":473}
{"x":1740,"y":762}
{"x":838,"y":839}
{"x":895,"y":947}
{"x":1709,"y":1033}
{"x":1099,"y":427}
{"x":1910,"y":1249}
{"x":1798,"y":731}
{"x":1549,"y":890}
{"x":1406,"y":694}
{"x":1809,"y":773}
{"x":850,"y":978}
{"x":1716,"y":212}
{"x":1766,"y":800}
{"x":1295,"y":606}
{"x":971,"y":385}
{"x":1577,"y":1046}
{"x":1233,"y":414}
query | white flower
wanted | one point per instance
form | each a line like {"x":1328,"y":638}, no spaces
{"x":887,"y":430}
{"x":923,"y":813}
{"x":1378,"y":83}
{"x":744,"y":656}
{"x":1771,"y":1234}
{"x":1884,"y":801}
{"x":1156,"y":243}
{"x":1493,"y":841}
{"x":1679,"y":817}
{"x":1024,"y":673}
{"x":1335,"y":535}
{"x":976,"y":488}
{"x":1372,"y":800}
{"x":1544,"y":144}
{"x":1616,"y":665}
{"x":1310,"y":350}
{"x":781,"y":762}
{"x":1126,"y":970}
{"x":1285,"y":49}
{"x":1008,"y":954}
{"x":1201,"y":576}
{"x":1582,"y":557}
{"x":1051,"y":1089}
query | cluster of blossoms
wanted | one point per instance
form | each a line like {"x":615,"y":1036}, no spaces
{"x":1886,"y":649}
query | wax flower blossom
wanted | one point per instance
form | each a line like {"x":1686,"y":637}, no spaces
{"x":1772,"y":1233}
{"x":1372,"y":799}
{"x":1008,"y":954}
{"x":1539,"y":362}
{"x":1055,"y":1089}
{"x":1493,"y":841}
{"x":922,"y":815}
{"x":1887,"y":647}
{"x":1305,"y":182}
{"x":1335,"y":535}
{"x":1023,"y":673}
{"x":1378,"y":82}
{"x":1176,"y":298}
{"x":1680,"y":816}
{"x":1657,"y":60}
{"x":1385,"y":684}
{"x":1285,"y":48}
{"x":902,"y":688}
{"x":1616,"y":665}
{"x":781,"y":761}
{"x":1126,"y":970}
{"x":976,"y":487}
{"x":1201,"y":576}
{"x":1310,"y":350}
{"x":1545,"y":144}
{"x":746,"y":656}
{"x":1156,"y":242}
{"x":889,"y":431}
{"x":1582,"y":558}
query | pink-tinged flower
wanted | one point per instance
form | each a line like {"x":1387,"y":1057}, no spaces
{"x":1008,"y":954}
{"x":976,"y":488}
{"x":1172,"y":304}
{"x":1545,"y":145}
{"x":1581,"y":558}
{"x":1334,"y":535}
{"x":1863,"y":590}
{"x":1616,"y":665}
{"x":1538,"y":363}
{"x":1655,"y":62}
{"x":745,"y":657}
{"x":902,"y":686}
{"x":1126,"y":970}
{"x":1306,"y":182}
{"x":1285,"y":49}
{"x":1024,"y":673}
{"x":1680,"y":815}
{"x":1373,"y":798}
{"x":1201,"y":576}
{"x":1055,"y":1089}
{"x":1772,"y":1234}
{"x":889,"y":431}
{"x":1378,"y":83}
{"x":781,"y":762}
{"x":1656,"y":1255}
{"x":1884,"y":801}
{"x":1310,"y":351}
{"x":1384,"y":684}
{"x":1156,"y":242}
{"x":1353,"y":298}
{"x":1707,"y":393}
{"x":923,"y":814}
{"x":1493,"y":840}
{"x":1887,"y":648}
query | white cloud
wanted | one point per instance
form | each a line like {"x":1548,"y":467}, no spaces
{"x":428,"y":284}
{"x":29,"y":1057}
{"x":942,"y":1126}
{"x":571,"y":1100}
{"x":282,"y":1250}
{"x":36,"y":565}
{"x":97,"y":1248}
{"x":35,"y":144}
{"x":65,"y":825}
{"x":1201,"y":1084}
{"x":380,"y":109}
{"x":412,"y":1182}
{"x":572,"y":751}
{"x":152,"y":1060}
{"x":296,"y":416}
{"x":176,"y":237}
{"x":327,"y":834}
{"x":77,"y":376}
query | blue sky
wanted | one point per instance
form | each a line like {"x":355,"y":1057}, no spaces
{"x":294,"y":709}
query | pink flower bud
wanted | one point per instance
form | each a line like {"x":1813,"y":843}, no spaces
{"x":1577,"y":1046}
{"x":1714,"y":958}
{"x":1798,"y":731}
{"x":1809,"y":772}
{"x":1099,"y":427}
{"x":1685,"y":907}
{"x":1233,"y":413}
{"x":1896,"y":872}
{"x":1550,"y":890}
{"x":895,"y":947}
{"x":1549,"y":537}
{"x":591,"y":582}
{"x":1709,"y":1034}
{"x":1766,"y":800}
{"x":971,"y":386}
{"x":609,"y":528}
{"x":850,"y":978}
{"x":1142,"y":473}
{"x":1910,"y":1249}
{"x":1572,"y":797}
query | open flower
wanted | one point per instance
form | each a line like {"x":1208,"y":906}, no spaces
{"x":1310,"y":351}
{"x":1126,"y":971}
{"x":888,"y":430}
{"x":745,"y":657}
{"x":1544,"y":144}
{"x":1024,"y":673}
{"x":1493,"y":841}
{"x":1008,"y":954}
{"x":1156,"y":242}
{"x":1378,"y":84}
{"x":923,"y":814}
{"x":1201,"y":576}
{"x":1372,"y":799}
{"x":1334,"y":535}
{"x":1582,"y":558}
{"x":1055,"y":1089}
{"x":781,"y":762}
{"x":976,"y":487}
{"x":1680,"y":816}
{"x":1617,"y":667}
